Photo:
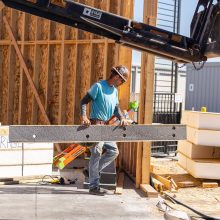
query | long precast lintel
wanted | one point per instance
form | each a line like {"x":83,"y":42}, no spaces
{"x":94,"y":133}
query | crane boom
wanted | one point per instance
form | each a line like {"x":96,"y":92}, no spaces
{"x":137,"y":35}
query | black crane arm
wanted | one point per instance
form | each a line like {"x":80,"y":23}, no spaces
{"x":127,"y":32}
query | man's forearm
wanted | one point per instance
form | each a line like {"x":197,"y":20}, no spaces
{"x":86,"y":99}
{"x":118,"y":112}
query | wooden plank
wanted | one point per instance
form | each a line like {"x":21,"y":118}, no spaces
{"x":79,"y":133}
{"x":23,"y":81}
{"x":63,"y":80}
{"x":158,"y":185}
{"x":147,"y":91}
{"x":120,"y":183}
{"x":11,"y":72}
{"x":4,"y":130}
{"x":36,"y":70}
{"x":138,"y":170}
{"x":167,"y":183}
{"x":186,"y":184}
{"x":149,"y":190}
{"x":209,"y":185}
{"x":48,"y":73}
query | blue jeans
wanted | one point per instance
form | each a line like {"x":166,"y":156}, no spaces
{"x":99,"y":161}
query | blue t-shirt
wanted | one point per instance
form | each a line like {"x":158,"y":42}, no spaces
{"x":104,"y":100}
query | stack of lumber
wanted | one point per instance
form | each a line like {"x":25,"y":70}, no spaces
{"x":200,"y":153}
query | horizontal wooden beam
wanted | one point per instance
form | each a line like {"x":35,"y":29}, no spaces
{"x":94,"y":133}
{"x":56,"y":42}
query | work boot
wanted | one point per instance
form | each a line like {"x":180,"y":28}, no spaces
{"x":86,"y":173}
{"x":97,"y":191}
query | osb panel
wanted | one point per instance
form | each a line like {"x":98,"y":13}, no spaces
{"x":54,"y":60}
{"x":20,"y":22}
{"x":71,"y":84}
{"x":7,"y":13}
{"x":43,"y":30}
{"x":56,"y":31}
{"x":72,"y":32}
{"x":5,"y":69}
{"x":30,"y":65}
{"x":98,"y":60}
{"x":42,"y":90}
{"x":82,"y":77}
{"x":112,"y":56}
{"x":31,"y":28}
{"x":115,"y":6}
{"x":16,"y":91}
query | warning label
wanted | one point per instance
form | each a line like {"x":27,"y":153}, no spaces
{"x":92,"y":13}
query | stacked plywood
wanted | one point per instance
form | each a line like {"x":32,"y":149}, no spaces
{"x":200,"y":153}
{"x":27,"y":159}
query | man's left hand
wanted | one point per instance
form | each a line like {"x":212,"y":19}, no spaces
{"x":125,"y":122}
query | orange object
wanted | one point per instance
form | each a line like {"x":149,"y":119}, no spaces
{"x":68,"y":155}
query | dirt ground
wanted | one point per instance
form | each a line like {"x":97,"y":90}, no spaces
{"x":203,"y":200}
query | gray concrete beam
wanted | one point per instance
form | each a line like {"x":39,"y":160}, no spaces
{"x":94,"y":133}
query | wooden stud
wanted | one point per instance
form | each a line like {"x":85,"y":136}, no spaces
{"x":48,"y":72}
{"x":147,"y":88}
{"x":63,"y":80}
{"x":167,"y":183}
{"x":11,"y":73}
{"x":36,"y":72}
{"x":23,"y":81}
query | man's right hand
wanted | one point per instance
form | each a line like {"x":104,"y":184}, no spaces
{"x":85,"y":121}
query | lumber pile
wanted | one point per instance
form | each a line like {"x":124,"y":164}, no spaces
{"x":200,"y":153}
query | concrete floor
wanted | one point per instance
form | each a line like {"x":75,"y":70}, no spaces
{"x":34,"y":201}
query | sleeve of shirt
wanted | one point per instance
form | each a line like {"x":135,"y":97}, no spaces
{"x":117,"y":101}
{"x":93,"y":91}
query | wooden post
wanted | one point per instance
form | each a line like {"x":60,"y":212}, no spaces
{"x":147,"y":89}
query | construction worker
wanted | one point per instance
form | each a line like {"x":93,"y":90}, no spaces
{"x":103,"y":96}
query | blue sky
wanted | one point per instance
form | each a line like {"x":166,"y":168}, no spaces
{"x":187,"y":11}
